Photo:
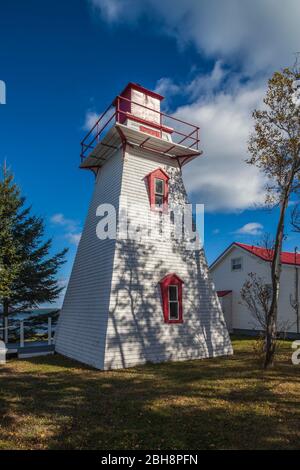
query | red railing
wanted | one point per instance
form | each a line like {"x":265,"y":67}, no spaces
{"x":182,"y":132}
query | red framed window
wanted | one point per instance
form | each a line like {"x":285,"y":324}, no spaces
{"x":158,"y":186}
{"x":171,"y":293}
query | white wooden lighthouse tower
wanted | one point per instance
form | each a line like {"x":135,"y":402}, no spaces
{"x":134,"y":299}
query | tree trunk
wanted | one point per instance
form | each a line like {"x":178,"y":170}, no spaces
{"x":271,"y":330}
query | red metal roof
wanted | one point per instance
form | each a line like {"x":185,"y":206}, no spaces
{"x":287,"y":257}
{"x":222,"y":293}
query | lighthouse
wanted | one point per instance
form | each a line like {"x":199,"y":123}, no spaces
{"x":139,"y":290}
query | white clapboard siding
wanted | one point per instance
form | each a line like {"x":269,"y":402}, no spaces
{"x":112,"y":314}
{"x":82,"y":325}
{"x":136,"y":332}
{"x":226,"y":279}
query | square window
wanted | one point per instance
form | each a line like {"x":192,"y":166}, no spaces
{"x":236,"y":264}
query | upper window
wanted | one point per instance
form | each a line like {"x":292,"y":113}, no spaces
{"x":171,"y":292}
{"x":236,"y":264}
{"x":158,"y":190}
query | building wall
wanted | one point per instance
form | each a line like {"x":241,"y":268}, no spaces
{"x":136,"y":331}
{"x":225,"y":279}
{"x":226,"y":305}
{"x":287,"y":317}
{"x":81,"y":329}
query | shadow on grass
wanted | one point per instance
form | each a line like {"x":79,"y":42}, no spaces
{"x":53,"y":402}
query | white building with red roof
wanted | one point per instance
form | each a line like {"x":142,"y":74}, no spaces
{"x":229,"y":272}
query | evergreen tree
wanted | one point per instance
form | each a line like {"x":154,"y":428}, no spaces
{"x":28,"y":274}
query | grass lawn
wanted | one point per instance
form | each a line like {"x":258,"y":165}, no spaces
{"x":222,"y":403}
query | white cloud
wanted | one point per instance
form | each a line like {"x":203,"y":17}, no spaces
{"x":252,"y":228}
{"x":111,"y":10}
{"x":166,"y":87}
{"x":221,"y":104}
{"x":57,"y":219}
{"x":73,"y":238}
{"x":220,"y":178}
{"x":60,"y":219}
{"x":70,"y":226}
{"x":216,"y":231}
{"x":90,"y":120}
{"x":260,"y":34}
{"x":206,"y":84}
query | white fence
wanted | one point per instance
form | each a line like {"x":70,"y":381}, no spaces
{"x":20,"y":326}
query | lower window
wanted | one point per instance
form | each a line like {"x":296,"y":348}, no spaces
{"x":171,"y":292}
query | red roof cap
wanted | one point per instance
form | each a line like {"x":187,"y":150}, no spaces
{"x":287,"y":257}
{"x":138,"y":87}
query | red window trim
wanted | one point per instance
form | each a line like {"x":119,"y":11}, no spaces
{"x":171,"y":280}
{"x":159,"y":173}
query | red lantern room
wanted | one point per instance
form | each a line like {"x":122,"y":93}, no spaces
{"x":135,"y":117}
{"x":139,"y":109}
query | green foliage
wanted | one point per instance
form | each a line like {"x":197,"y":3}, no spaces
{"x":28,"y":273}
{"x":10,"y":263}
{"x":275,"y":145}
{"x":275,"y":149}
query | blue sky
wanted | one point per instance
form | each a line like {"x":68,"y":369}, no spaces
{"x":64,"y":61}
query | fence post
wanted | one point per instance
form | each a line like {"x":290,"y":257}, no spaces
{"x":49,"y":331}
{"x":5,"y":330}
{"x":21,"y":333}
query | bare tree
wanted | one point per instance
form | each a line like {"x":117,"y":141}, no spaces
{"x":256,"y":295}
{"x":295,"y":218}
{"x":274,"y":148}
